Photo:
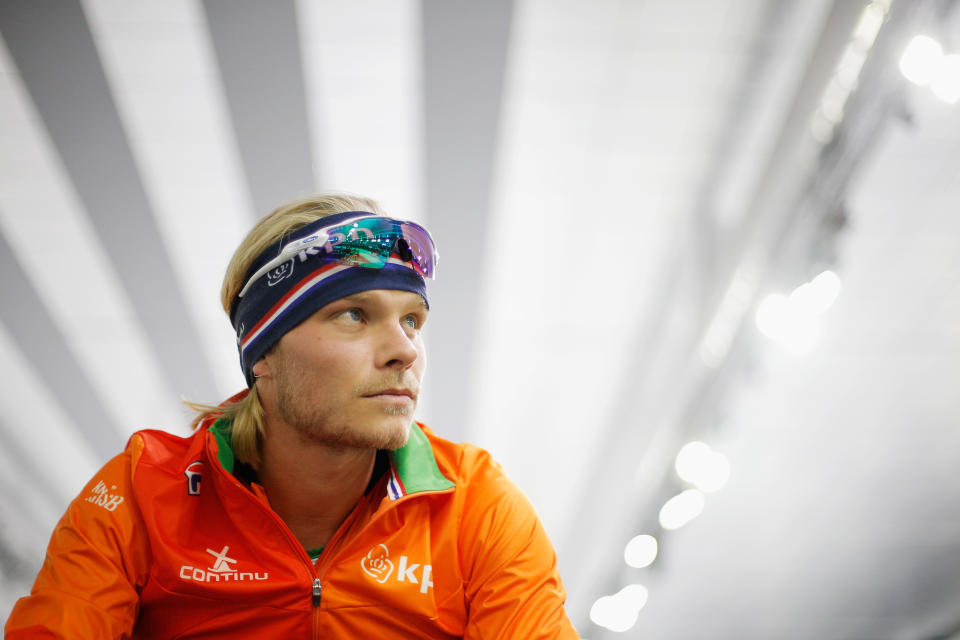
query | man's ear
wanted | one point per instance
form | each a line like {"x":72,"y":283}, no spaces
{"x":261,"y":369}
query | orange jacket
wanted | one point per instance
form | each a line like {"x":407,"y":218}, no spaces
{"x":164,"y":542}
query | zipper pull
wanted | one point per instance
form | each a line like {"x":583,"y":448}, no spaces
{"x":316,"y":592}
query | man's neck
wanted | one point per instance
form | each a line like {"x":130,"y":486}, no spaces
{"x":311,"y":486}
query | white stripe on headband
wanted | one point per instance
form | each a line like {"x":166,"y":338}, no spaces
{"x":301,"y":290}
{"x":296,"y":247}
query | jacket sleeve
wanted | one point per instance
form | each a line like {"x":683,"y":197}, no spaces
{"x":513,"y":588}
{"x":97,"y":559}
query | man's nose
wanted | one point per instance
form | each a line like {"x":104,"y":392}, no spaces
{"x":399,"y":349}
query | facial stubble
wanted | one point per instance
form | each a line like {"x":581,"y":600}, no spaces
{"x":322,"y":422}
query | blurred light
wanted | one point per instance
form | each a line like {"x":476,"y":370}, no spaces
{"x":634,"y":595}
{"x":946,"y":81}
{"x":715,"y":474}
{"x":833,"y":100}
{"x":723,"y":327}
{"x":778,"y":321}
{"x":821,"y":128}
{"x":700,"y":465}
{"x":829,"y":113}
{"x":818,"y":295}
{"x":681,"y":509}
{"x":921,"y":59}
{"x":619,"y":612}
{"x":869,"y":24}
{"x":848,"y":69}
{"x":794,"y":321}
{"x":691,"y":459}
{"x":641,"y":551}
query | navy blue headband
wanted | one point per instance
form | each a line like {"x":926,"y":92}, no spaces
{"x":271,"y":306}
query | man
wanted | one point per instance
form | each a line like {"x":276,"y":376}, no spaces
{"x":309,"y":505}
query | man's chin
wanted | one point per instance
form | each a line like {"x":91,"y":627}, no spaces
{"x":396,"y":436}
{"x":389,"y":434}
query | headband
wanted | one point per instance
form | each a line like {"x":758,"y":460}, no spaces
{"x":329,"y":259}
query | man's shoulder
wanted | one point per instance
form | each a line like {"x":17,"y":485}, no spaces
{"x":467,"y":465}
{"x":160,"y":448}
{"x":455,"y":457}
{"x":494,"y":511}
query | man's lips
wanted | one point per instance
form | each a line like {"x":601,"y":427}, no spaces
{"x":393,"y":392}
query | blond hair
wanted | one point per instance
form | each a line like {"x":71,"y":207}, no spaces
{"x":247,"y":414}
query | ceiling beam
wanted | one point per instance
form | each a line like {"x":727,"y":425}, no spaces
{"x":654,"y":414}
{"x":258,"y":52}
{"x":51,"y":44}
{"x":464,"y":55}
{"x":27,"y":320}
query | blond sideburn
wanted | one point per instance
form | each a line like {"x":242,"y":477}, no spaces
{"x":247,"y":414}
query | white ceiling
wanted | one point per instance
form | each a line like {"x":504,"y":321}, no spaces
{"x":613,"y":187}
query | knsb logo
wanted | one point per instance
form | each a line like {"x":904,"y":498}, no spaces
{"x":377,"y":564}
{"x":222,"y":569}
{"x":100,"y":495}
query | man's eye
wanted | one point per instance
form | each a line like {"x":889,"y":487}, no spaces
{"x":352,"y":315}
{"x":412,"y":321}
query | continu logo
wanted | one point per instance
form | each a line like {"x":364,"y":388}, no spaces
{"x":222,"y":570}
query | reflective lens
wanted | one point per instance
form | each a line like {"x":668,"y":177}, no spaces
{"x":362,"y":242}
{"x":373,"y":242}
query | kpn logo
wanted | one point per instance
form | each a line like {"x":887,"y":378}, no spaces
{"x":378,"y":565}
{"x":223,"y":569}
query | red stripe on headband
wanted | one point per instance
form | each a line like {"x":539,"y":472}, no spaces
{"x":293,"y":292}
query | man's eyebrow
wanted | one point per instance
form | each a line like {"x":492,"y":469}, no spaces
{"x":364,"y":296}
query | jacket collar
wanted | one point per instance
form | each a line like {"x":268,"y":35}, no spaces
{"x":413,"y":467}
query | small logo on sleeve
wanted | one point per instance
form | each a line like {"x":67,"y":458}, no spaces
{"x":194,"y":477}
{"x":100,"y":495}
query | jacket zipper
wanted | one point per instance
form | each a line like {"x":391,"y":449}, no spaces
{"x":316,"y":591}
{"x":294,"y":544}
{"x":327,"y":560}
